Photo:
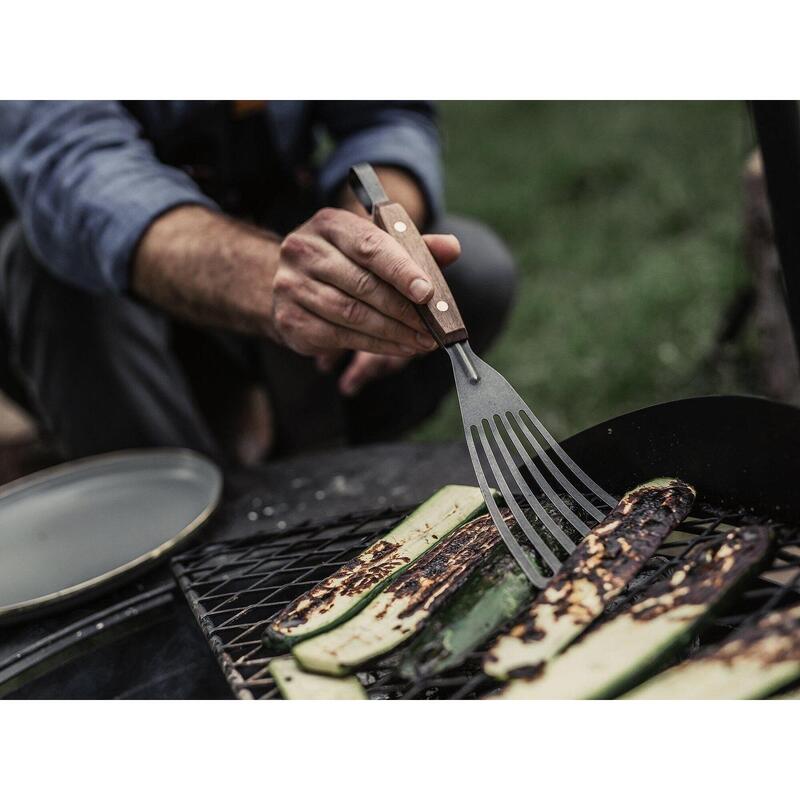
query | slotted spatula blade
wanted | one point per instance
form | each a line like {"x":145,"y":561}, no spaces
{"x":504,"y":437}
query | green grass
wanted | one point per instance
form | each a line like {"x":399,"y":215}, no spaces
{"x":625,"y":220}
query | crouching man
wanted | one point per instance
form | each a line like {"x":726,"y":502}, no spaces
{"x":192,"y":274}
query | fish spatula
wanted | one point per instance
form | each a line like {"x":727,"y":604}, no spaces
{"x":504,"y":436}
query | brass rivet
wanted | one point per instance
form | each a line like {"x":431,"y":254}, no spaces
{"x":442,"y":306}
{"x":400,"y":227}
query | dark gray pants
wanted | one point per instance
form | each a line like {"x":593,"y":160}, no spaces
{"x":105,"y":372}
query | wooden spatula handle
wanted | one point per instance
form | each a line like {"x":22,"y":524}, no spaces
{"x":441,"y":314}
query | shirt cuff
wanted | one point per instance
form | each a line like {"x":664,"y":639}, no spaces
{"x":133,"y":213}
{"x":403,"y":146}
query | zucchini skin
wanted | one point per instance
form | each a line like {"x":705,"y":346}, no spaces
{"x":355,"y":583}
{"x":750,"y":664}
{"x":597,"y":571}
{"x":635,"y":642}
{"x":402,"y":608}
{"x":495,"y":594}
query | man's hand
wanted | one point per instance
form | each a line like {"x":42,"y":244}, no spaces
{"x":337,"y":283}
{"x":344,"y":284}
{"x":366,"y":367}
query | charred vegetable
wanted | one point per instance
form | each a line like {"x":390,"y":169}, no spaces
{"x":596,"y":571}
{"x":341,"y":595}
{"x":296,"y":684}
{"x":495,"y":594}
{"x":751,"y":663}
{"x":619,"y":653}
{"x":401,"y":609}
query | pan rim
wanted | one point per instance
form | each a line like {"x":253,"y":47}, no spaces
{"x":19,"y":610}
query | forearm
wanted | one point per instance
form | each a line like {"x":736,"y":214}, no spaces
{"x":400,"y":188}
{"x":206,"y":268}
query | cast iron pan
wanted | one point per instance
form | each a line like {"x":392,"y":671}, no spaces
{"x":80,"y":528}
{"x":737,"y":451}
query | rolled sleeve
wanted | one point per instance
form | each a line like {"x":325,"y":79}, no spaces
{"x":86,"y":185}
{"x":387,"y":136}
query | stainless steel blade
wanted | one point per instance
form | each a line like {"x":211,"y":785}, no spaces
{"x":367,"y":187}
{"x":488,"y":405}
{"x":470,"y":372}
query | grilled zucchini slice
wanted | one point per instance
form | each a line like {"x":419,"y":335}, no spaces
{"x":341,"y":595}
{"x":596,"y":571}
{"x":751,"y":663}
{"x":494,"y":595}
{"x":401,"y":609}
{"x":296,"y":684}
{"x":619,"y":653}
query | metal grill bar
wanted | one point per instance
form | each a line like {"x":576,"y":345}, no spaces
{"x":233,"y":589}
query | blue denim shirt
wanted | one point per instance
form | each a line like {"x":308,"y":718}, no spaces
{"x":86,"y":181}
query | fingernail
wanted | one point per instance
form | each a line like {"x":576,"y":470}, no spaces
{"x":407,"y":351}
{"x":420,"y":290}
{"x":426,"y":340}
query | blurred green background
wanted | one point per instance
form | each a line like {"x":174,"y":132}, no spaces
{"x":626,"y":222}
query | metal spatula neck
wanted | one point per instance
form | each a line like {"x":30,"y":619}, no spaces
{"x":464,"y":359}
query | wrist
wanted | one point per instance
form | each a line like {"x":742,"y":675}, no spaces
{"x":201,"y":265}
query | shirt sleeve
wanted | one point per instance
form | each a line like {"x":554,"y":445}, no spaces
{"x":396,"y":134}
{"x":86,"y":185}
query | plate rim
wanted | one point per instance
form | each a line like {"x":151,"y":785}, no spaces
{"x":24,"y":607}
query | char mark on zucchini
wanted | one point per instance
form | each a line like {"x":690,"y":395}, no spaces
{"x":634,"y":642}
{"x":404,"y":606}
{"x":709,"y":571}
{"x":446,"y":567}
{"x":342,"y":594}
{"x":496,"y":592}
{"x":597,"y":570}
{"x":752,"y":663}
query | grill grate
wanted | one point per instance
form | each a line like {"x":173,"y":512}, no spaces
{"x":234,"y":588}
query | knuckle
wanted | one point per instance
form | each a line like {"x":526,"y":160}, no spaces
{"x":395,"y":269}
{"x":369,"y":245}
{"x":296,"y":247}
{"x":326,"y":217}
{"x":353,"y":312}
{"x":366,"y":284}
{"x":282,"y":282}
{"x":284,"y":320}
